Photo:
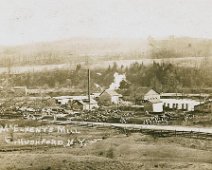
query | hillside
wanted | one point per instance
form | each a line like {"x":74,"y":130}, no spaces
{"x":76,"y":50}
{"x":72,"y":50}
{"x":180,"y":47}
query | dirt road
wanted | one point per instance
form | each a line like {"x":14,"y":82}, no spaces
{"x":150,"y":127}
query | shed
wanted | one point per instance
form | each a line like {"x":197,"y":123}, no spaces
{"x":111,"y":95}
{"x":155,"y":106}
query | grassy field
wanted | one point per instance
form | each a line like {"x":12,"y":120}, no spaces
{"x":105,"y":149}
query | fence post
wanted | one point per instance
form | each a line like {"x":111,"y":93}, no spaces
{"x":141,"y":130}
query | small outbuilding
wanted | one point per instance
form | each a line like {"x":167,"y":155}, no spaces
{"x":110,"y":96}
{"x":155,"y":106}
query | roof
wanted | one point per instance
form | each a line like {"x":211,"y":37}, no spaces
{"x":152,"y":92}
{"x":171,"y":94}
{"x":205,"y":103}
{"x":95,"y":94}
{"x":184,"y":95}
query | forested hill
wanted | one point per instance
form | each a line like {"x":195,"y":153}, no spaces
{"x":71,"y":50}
{"x":180,"y":47}
{"x":76,"y":49}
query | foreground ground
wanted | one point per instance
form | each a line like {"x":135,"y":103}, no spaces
{"x":104,"y":148}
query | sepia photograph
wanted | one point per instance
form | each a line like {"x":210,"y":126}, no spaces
{"x":105,"y":85}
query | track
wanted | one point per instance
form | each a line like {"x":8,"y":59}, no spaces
{"x":197,"y":132}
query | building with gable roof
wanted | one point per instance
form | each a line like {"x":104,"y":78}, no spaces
{"x":152,"y":95}
{"x":152,"y":102}
{"x":111,"y":96}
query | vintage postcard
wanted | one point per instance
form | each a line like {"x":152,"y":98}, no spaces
{"x":105,"y":84}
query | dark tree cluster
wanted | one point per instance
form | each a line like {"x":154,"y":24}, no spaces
{"x":162,"y":77}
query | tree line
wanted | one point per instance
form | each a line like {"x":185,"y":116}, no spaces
{"x":164,"y":77}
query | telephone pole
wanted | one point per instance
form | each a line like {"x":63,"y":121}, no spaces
{"x":89,"y":79}
{"x":89,"y":97}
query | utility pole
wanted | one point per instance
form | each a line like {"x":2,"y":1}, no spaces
{"x":89,"y":79}
{"x":89,"y":97}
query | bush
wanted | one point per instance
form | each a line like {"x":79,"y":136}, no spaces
{"x":110,"y":153}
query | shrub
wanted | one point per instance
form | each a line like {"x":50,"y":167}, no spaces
{"x":110,"y":153}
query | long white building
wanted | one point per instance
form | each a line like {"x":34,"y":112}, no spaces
{"x":184,"y":104}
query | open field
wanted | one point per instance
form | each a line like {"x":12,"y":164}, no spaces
{"x":105,"y":148}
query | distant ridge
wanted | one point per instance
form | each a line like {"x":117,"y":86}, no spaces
{"x":77,"y":49}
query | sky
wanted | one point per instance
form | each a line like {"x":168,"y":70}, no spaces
{"x":29,"y":21}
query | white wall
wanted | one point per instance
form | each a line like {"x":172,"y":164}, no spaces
{"x":180,"y":103}
{"x":63,"y":101}
{"x":115,"y":99}
{"x":157,"y":107}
